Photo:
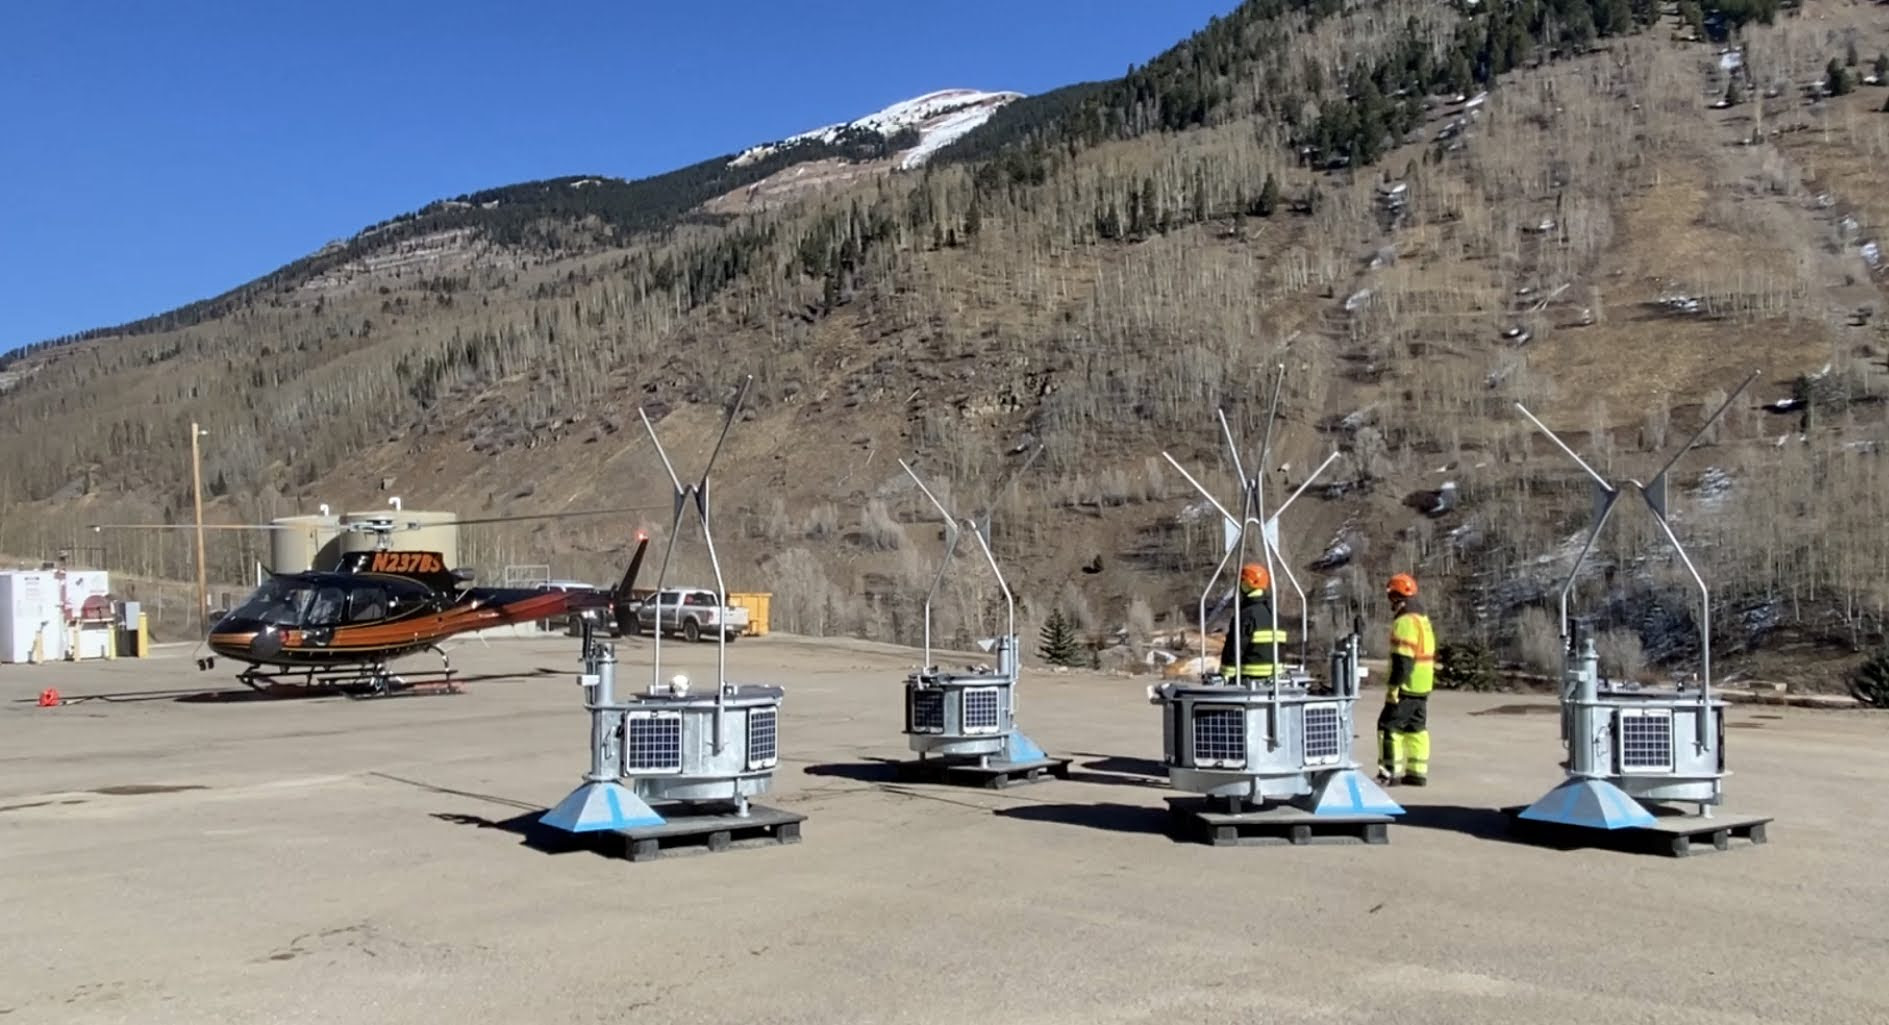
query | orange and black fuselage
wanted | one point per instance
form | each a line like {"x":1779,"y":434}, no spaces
{"x":379,"y":606}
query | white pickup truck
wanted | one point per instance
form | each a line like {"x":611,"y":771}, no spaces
{"x":691,"y":612}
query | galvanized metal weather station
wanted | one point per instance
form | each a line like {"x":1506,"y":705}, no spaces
{"x":692,"y":757}
{"x":963,"y":725}
{"x":1634,"y":749}
{"x":1273,"y":757}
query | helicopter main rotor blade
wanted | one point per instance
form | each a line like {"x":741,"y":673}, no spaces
{"x":390,"y":521}
{"x":556,"y":516}
{"x":96,"y":527}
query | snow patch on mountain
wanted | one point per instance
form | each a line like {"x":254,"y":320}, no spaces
{"x":940,"y":118}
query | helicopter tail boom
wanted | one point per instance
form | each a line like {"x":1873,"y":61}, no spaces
{"x":623,"y":600}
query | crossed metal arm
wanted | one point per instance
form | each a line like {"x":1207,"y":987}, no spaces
{"x":979,"y":527}
{"x":695,"y":495}
{"x":1253,"y":514}
{"x":1655,"y":493}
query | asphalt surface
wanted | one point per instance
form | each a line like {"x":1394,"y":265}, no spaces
{"x":358,"y":861}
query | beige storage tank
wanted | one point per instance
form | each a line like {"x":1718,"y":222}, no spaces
{"x":303,"y":543}
{"x":437,"y":532}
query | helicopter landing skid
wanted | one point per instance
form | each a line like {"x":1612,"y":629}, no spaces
{"x":370,"y":680}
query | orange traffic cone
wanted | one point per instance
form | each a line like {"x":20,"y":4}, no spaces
{"x":48,"y":698}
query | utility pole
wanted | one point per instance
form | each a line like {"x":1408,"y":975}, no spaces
{"x":196,"y":487}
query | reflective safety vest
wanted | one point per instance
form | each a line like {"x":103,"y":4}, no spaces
{"x":1412,"y":637}
{"x":1259,"y":649}
{"x":1258,"y":644}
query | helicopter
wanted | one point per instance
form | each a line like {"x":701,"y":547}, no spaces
{"x":339,"y":629}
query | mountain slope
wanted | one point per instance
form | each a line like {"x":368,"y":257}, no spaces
{"x":1096,"y":270}
{"x":925,"y":124}
{"x":583,"y":211}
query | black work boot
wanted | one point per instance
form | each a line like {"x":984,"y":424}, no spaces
{"x":1411,"y":779}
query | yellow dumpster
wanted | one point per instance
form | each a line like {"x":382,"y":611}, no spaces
{"x":756,"y":602}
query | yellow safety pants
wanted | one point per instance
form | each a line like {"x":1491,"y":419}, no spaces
{"x":1403,"y":735}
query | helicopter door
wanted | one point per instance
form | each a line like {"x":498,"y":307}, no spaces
{"x":324,"y":614}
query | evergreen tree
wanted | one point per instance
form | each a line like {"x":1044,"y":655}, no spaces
{"x":1849,"y":55}
{"x":1870,"y":683}
{"x":1836,"y":79}
{"x":1691,"y":14}
{"x":1580,"y":30}
{"x":1882,"y":69}
{"x":1268,"y":196}
{"x":1460,"y":78}
{"x":1060,"y":647}
{"x":1368,"y":142}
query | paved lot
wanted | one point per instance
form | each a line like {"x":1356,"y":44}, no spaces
{"x":336,"y":861}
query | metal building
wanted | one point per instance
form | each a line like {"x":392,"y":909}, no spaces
{"x":302,"y":543}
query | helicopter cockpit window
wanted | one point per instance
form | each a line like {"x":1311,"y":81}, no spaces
{"x":366,"y":605}
{"x":278,"y":602}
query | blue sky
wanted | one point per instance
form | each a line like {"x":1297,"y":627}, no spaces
{"x":156,"y":154}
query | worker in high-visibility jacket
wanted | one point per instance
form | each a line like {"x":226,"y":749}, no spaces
{"x":1403,"y":728}
{"x":1256,"y":656}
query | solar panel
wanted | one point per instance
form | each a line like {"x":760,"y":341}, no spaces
{"x":983,"y":710}
{"x":763,"y":737}
{"x":1324,"y":741}
{"x":926,"y":711}
{"x":653,"y":742}
{"x":1219,"y":736}
{"x":1646,"y":739}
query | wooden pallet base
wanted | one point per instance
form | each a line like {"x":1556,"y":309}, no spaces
{"x":995,"y":776}
{"x":1278,"y":825}
{"x":763,"y":826}
{"x":1677,"y":835}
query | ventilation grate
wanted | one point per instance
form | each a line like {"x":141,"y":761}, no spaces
{"x":983,"y":710}
{"x":763,"y":737}
{"x":653,"y":742}
{"x":1323,"y":735}
{"x":1219,"y":737}
{"x":925,"y":710}
{"x":1646,"y":740}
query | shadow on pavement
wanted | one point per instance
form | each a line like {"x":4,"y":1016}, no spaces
{"x":1481,"y":823}
{"x":872,"y":770}
{"x":1113,"y":818}
{"x":542,"y":839}
{"x":1121,"y":766}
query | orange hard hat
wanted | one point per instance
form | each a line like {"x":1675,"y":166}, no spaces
{"x":1403,"y":585}
{"x":1254,"y":577}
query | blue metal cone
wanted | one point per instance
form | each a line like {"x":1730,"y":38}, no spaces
{"x":596,"y":806}
{"x":1020,"y":748}
{"x":1350,"y":792}
{"x":1591,"y":804}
